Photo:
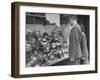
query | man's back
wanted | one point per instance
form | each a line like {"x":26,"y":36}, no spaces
{"x":75,"y":45}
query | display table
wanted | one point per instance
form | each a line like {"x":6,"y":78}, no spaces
{"x":56,"y":60}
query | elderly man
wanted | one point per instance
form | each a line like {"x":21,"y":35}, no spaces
{"x":75,"y":52}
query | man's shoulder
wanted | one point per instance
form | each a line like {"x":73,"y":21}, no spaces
{"x":77,"y":27}
{"x":74,"y":28}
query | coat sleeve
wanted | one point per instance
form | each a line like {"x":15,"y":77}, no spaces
{"x":84,"y":46}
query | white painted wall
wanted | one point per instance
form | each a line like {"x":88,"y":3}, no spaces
{"x":5,"y":40}
{"x":53,"y":18}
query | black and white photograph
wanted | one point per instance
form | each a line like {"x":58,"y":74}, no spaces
{"x":52,"y":39}
{"x":56,"y":39}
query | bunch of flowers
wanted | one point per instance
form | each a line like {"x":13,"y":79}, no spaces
{"x":47,"y":47}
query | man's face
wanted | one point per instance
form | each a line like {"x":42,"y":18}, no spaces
{"x":71,"y":22}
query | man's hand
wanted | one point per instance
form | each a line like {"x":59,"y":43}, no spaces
{"x":72,"y":59}
{"x":83,"y":58}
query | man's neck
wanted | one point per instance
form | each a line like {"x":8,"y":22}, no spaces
{"x":75,"y":22}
